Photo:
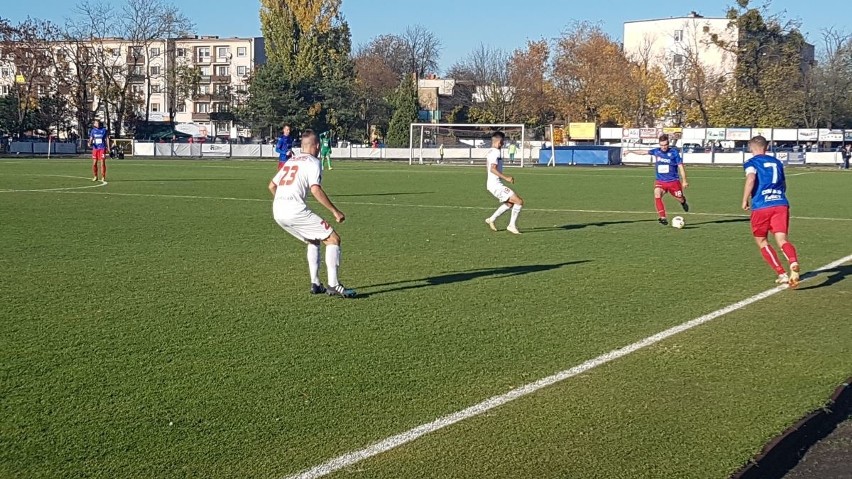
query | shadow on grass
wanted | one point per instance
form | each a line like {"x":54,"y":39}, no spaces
{"x":836,"y":275}
{"x":463,"y":277}
{"x":178,"y":180}
{"x":366,"y":195}
{"x":718,"y":222}
{"x":579,"y":226}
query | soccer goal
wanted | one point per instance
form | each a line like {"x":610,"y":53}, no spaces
{"x":463,"y":142}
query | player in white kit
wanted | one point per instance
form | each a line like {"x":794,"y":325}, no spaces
{"x":290,"y":187}
{"x":495,"y":186}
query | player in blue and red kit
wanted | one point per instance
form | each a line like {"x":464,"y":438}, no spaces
{"x":765,"y":194}
{"x":668,"y":165}
{"x":284,"y":146}
{"x":98,"y":142}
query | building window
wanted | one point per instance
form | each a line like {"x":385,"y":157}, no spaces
{"x":137,"y":70}
{"x":223,"y":52}
{"x":5,"y":72}
{"x":181,"y":52}
{"x":203,"y":89}
{"x":223,"y":71}
{"x":181,"y":108}
{"x":202,"y":108}
{"x":4,"y":90}
{"x":155,"y":70}
{"x":242,"y":71}
{"x":678,"y":60}
{"x":40,"y":90}
{"x":678,"y":35}
{"x":242,"y":51}
{"x":116,"y":52}
{"x":205,"y":71}
{"x":677,"y":85}
{"x":222,"y":107}
{"x":156,"y":89}
{"x":155,"y":51}
{"x":136,"y":89}
{"x":222,"y":126}
{"x":155,"y":107}
{"x":203,"y":54}
{"x":223,"y":89}
{"x":137,"y":52}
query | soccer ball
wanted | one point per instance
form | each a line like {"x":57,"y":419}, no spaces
{"x":678,"y":222}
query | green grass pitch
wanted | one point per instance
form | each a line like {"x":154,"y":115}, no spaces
{"x":160,"y":326}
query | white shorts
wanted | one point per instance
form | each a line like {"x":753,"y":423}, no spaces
{"x":501,"y":192}
{"x":305,"y":226}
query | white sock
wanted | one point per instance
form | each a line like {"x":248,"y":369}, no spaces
{"x":332,"y":262}
{"x":314,"y":262}
{"x":502,"y":209}
{"x":516,"y":210}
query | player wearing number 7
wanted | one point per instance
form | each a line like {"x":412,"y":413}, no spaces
{"x":765,"y":194}
{"x":668,"y":165}
{"x":290,"y":187}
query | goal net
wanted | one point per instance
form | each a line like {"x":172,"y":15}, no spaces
{"x":465,"y":143}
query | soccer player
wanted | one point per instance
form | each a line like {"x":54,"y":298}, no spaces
{"x":668,"y":165}
{"x":495,"y":186}
{"x":98,"y":141}
{"x":325,"y":150}
{"x":765,"y":194}
{"x":290,"y":186}
{"x":284,"y":146}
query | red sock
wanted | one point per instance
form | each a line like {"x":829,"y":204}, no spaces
{"x":661,"y":207}
{"x":771,"y":258}
{"x":790,"y":252}
{"x":95,"y":168}
{"x":103,"y":169}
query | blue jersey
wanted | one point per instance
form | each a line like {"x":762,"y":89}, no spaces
{"x":98,"y":137}
{"x":770,"y":187}
{"x":283,"y":147}
{"x":666,"y":164}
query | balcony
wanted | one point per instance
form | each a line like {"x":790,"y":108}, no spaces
{"x":201,"y":117}
{"x":135,"y":59}
{"x":205,"y":78}
{"x":221,"y":79}
{"x":202,"y":59}
{"x":136,"y":78}
{"x":204,"y":97}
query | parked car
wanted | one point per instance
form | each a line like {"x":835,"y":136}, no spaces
{"x":692,"y":148}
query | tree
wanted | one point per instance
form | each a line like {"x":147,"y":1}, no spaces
{"x":374,"y":81}
{"x":768,"y":82}
{"x":590,"y":74}
{"x":28,"y":46}
{"x":423,"y":49}
{"x":404,"y":102}
{"x":309,"y":76}
{"x":828,"y":86}
{"x":487,"y":69}
{"x":532,"y":89}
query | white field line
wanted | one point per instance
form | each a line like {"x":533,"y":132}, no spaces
{"x":99,"y":184}
{"x":406,"y":205}
{"x":397,"y":440}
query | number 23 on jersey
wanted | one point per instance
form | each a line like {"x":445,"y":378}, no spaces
{"x":288,"y":175}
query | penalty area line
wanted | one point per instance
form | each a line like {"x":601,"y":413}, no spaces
{"x":392,"y":442}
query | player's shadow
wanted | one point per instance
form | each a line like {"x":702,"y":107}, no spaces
{"x":367,"y":195}
{"x":463,"y":277}
{"x":179,"y":180}
{"x":836,"y":275}
{"x":579,"y":226}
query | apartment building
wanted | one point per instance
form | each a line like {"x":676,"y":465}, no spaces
{"x":224,"y":66}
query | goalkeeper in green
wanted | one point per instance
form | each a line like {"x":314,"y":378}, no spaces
{"x":325,"y":150}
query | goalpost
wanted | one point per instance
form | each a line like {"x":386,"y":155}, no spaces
{"x":460,"y":140}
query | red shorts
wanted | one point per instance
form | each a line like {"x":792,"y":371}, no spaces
{"x":98,"y":154}
{"x":673,"y":188}
{"x":770,"y":220}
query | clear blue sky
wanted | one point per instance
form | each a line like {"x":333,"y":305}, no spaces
{"x":463,"y":24}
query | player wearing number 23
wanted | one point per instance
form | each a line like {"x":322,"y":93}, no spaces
{"x":290,"y":187}
{"x":765,"y":194}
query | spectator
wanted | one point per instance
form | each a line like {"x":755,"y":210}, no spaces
{"x":441,"y":153}
{"x":846,"y":153}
